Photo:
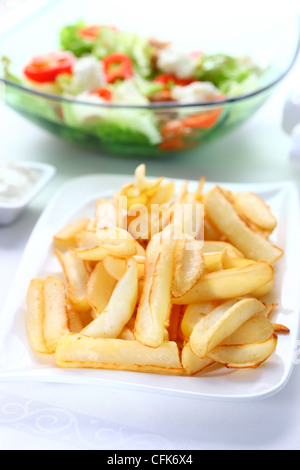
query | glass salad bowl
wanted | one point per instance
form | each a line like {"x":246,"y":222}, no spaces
{"x":149,"y":127}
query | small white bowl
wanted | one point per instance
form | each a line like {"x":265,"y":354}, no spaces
{"x":10,"y":210}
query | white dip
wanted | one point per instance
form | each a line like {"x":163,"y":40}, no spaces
{"x":15,"y":181}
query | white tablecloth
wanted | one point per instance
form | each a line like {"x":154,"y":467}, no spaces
{"x":54,"y":416}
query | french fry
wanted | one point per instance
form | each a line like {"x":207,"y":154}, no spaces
{"x":256,"y":329}
{"x":127,"y":334}
{"x":94,"y":245}
{"x":87,"y":238}
{"x":242,"y":356}
{"x":189,"y":265}
{"x":35,"y":314}
{"x":229,"y":260}
{"x":67,"y":235}
{"x":76,"y":275}
{"x":280,"y":329}
{"x":254,"y":210}
{"x":146,"y":185}
{"x":164,"y":194}
{"x":221,"y":255}
{"x":99,"y":289}
{"x":81,"y":351}
{"x":221,"y":322}
{"x":250,"y":345}
{"x":217,"y":246}
{"x":228,"y":283}
{"x":120,"y":307}
{"x":174,"y":322}
{"x":210,"y":231}
{"x":223,"y":214}
{"x":117,"y":241}
{"x":116,"y":267}
{"x":56,"y":316}
{"x":143,"y":321}
{"x":193,"y":314}
{"x":264,"y":290}
{"x":191,"y":363}
{"x":75,"y":321}
{"x":88,"y":246}
{"x":155,"y":306}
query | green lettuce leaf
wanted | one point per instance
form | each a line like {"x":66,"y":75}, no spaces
{"x":113,"y":124}
{"x":231,"y":75}
{"x":71,"y":41}
{"x":131,"y":44}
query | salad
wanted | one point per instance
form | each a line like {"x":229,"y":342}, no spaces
{"x":130,"y":75}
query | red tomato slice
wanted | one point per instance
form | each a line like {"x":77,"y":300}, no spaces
{"x":204,"y":120}
{"x":103,"y":93}
{"x":45,"y":68}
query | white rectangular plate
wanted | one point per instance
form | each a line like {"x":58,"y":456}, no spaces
{"x":76,"y":199}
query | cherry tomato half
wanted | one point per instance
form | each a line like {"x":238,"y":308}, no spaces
{"x":45,"y":68}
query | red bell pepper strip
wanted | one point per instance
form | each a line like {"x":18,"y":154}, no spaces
{"x":103,"y":93}
{"x":117,"y":66}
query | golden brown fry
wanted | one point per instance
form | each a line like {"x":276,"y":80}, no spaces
{"x":75,"y":321}
{"x":99,"y":289}
{"x":191,"y":363}
{"x":242,"y":356}
{"x":120,"y":307}
{"x":250,"y":345}
{"x":78,"y":351}
{"x":155,"y":305}
{"x":56,"y":316}
{"x":221,"y":322}
{"x":68,"y":234}
{"x":117,"y":242}
{"x":35,"y":315}
{"x":193,"y":314}
{"x":254,"y":210}
{"x":280,"y":329}
{"x":188,"y":265}
{"x":76,"y":275}
{"x":224,"y":216}
{"x":228,"y":283}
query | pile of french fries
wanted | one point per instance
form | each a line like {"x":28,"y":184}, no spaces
{"x":142,"y":290}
